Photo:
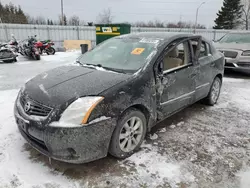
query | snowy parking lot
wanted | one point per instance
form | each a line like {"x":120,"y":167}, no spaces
{"x":200,"y":147}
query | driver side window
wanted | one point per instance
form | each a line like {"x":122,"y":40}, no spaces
{"x":176,"y":56}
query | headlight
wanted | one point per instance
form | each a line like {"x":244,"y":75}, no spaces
{"x":77,"y":113}
{"x":246,"y":53}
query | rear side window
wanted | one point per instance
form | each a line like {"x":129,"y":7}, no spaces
{"x":205,"y":49}
{"x":208,"y":48}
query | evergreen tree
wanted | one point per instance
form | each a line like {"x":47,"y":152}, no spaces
{"x":229,"y":15}
{"x":6,"y":14}
{"x":12,"y":14}
{"x":23,"y":18}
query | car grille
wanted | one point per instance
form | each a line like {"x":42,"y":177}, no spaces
{"x":32,"y":107}
{"x":230,"y":54}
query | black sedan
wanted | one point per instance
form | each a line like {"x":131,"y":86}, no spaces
{"x":116,"y":94}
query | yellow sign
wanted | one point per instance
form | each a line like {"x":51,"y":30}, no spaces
{"x":137,"y":51}
{"x":114,"y":29}
{"x":100,"y":33}
{"x":106,"y":30}
{"x":98,"y":29}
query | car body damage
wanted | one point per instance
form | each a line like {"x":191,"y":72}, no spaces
{"x":61,"y":112}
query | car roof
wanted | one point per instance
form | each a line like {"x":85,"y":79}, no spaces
{"x":238,"y":32}
{"x":163,"y":36}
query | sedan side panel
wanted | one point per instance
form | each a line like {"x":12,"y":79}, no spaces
{"x":138,"y":91}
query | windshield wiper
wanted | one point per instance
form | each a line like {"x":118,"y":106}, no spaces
{"x":115,"y":70}
{"x":106,"y":68}
{"x":78,"y":62}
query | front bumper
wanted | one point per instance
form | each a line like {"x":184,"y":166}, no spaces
{"x":73,"y":145}
{"x":234,"y":64}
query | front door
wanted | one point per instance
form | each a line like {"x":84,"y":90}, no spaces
{"x":178,"y":78}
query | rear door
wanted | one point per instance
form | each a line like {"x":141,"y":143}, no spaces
{"x":204,"y":75}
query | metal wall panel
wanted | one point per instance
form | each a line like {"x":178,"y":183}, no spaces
{"x":59,"y":33}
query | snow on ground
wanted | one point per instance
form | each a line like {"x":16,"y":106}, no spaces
{"x":17,"y":170}
{"x":200,"y":147}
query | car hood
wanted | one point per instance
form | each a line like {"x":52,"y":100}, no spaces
{"x":62,"y":84}
{"x":235,"y":46}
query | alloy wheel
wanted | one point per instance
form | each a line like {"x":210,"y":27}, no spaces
{"x":131,"y":134}
{"x":215,"y":91}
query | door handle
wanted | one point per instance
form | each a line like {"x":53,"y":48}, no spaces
{"x":212,"y":64}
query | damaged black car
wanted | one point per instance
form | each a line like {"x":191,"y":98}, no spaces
{"x":116,"y":93}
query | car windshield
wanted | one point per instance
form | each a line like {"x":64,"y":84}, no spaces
{"x":126,"y":55}
{"x":236,"y":38}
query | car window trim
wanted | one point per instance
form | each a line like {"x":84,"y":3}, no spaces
{"x":177,"y":68}
{"x":195,"y":55}
{"x":208,"y":50}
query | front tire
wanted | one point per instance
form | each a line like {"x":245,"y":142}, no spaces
{"x":214,"y":92}
{"x":37,"y":57}
{"x":128,"y":134}
{"x":50,"y":51}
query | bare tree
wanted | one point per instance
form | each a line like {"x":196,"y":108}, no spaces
{"x":74,"y":20}
{"x":159,"y":23}
{"x":40,"y":20}
{"x":105,"y":17}
{"x":245,"y":13}
{"x":82,"y":22}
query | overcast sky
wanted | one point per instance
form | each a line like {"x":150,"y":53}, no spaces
{"x":125,"y":10}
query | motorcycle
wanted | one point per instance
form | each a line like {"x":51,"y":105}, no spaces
{"x":28,"y":48}
{"x":13,"y":45}
{"x":6,"y":54}
{"x":45,"y":47}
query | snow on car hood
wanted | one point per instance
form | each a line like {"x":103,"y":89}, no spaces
{"x":59,"y":85}
{"x":235,"y":46}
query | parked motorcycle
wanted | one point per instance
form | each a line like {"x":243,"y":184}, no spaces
{"x":46,"y":47}
{"x":28,"y":48}
{"x":6,"y":54}
{"x":13,"y":45}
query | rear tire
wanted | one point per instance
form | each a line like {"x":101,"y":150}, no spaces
{"x":129,"y":134}
{"x":214,"y":92}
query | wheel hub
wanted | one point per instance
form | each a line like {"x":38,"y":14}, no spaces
{"x":131,"y":134}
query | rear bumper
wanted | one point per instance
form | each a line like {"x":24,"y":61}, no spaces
{"x":72,"y":145}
